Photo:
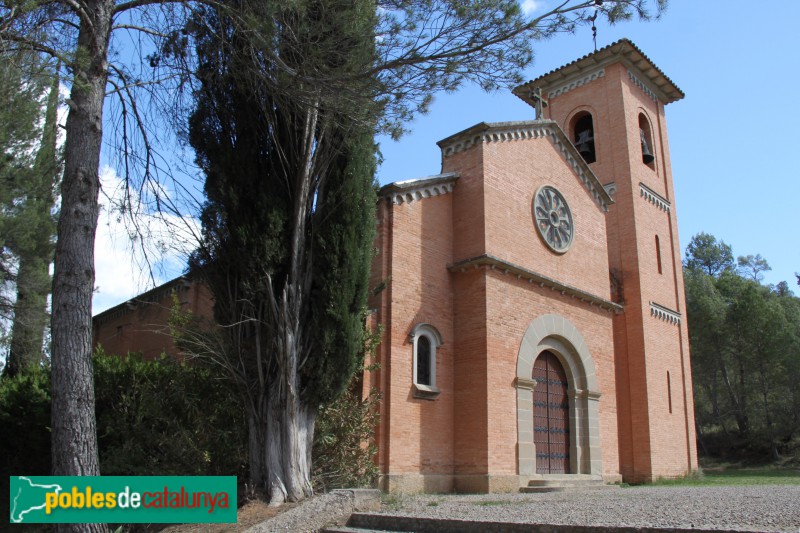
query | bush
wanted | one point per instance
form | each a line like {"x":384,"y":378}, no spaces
{"x":165,"y":417}
{"x":25,"y":424}
{"x":344,"y":449}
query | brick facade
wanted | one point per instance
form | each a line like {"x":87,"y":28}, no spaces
{"x":461,"y":263}
{"x":461,"y":253}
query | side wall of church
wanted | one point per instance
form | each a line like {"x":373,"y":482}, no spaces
{"x":417,"y":433}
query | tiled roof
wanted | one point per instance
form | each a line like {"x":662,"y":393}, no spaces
{"x":623,"y":50}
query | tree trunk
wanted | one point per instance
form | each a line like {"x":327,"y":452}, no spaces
{"x":30,"y":315}
{"x":290,"y":430}
{"x":74,"y":439}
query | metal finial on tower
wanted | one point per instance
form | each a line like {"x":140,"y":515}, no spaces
{"x":597,"y":5}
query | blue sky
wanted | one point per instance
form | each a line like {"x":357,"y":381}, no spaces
{"x":733,"y":139}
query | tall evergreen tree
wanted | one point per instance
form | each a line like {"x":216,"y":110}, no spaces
{"x":287,"y":227}
{"x":34,"y":225}
{"x":20,"y":112}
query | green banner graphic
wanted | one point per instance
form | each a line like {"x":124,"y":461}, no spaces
{"x":122,"y":499}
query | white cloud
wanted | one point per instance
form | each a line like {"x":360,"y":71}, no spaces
{"x":530,"y":6}
{"x":133,"y":256}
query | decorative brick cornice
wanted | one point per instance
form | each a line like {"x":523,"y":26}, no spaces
{"x":665,"y":313}
{"x":654,"y":198}
{"x":499,"y":265}
{"x":580,"y":81}
{"x":611,"y":188}
{"x":485,"y":133}
{"x":639,"y":83}
{"x":411,"y":190}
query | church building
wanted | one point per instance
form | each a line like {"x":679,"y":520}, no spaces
{"x":533,"y":303}
{"x":530,"y":296}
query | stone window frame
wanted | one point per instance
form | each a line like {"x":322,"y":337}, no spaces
{"x":558,"y":335}
{"x":423,"y":391}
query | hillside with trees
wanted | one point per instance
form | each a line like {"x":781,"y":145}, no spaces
{"x":745,"y":341}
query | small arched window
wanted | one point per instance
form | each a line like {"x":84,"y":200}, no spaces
{"x":583,"y":136}
{"x":423,"y":360}
{"x":646,"y":137}
{"x":425,"y":340}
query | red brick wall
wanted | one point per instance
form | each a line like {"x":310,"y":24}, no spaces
{"x":419,"y":243}
{"x":652,"y":443}
{"x":512,"y":305}
{"x":140,"y":325}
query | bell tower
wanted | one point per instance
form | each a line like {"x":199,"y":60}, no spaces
{"x":611,"y":104}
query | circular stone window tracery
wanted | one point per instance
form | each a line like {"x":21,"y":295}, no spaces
{"x":553,"y":219}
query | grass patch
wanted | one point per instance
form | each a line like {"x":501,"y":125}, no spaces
{"x":736,"y":476}
{"x":489,"y":503}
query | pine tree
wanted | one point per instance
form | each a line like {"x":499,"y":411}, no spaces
{"x":20,"y":111}
{"x":29,"y":174}
{"x":31,"y":242}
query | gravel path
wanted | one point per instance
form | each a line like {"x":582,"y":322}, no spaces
{"x":746,"y":508}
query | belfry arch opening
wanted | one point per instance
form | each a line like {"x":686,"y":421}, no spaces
{"x":646,"y":138}
{"x":582,"y":132}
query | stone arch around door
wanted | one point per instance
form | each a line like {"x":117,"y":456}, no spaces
{"x":558,"y":335}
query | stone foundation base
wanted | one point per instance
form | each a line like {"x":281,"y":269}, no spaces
{"x":416,"y":483}
{"x":442,"y":483}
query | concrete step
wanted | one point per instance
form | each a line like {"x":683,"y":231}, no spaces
{"x":382,"y":523}
{"x":563,"y":482}
{"x":348,"y":529}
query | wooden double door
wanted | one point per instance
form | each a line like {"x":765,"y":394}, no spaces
{"x":550,"y":415}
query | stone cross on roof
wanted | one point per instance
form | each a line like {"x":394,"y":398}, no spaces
{"x":539,"y":103}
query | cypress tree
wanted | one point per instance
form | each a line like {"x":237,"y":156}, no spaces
{"x":288,"y":222}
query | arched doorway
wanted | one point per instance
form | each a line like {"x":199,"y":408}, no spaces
{"x":557,"y":336}
{"x":551,"y":415}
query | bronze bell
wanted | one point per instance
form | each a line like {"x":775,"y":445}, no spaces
{"x":585,"y":145}
{"x":647,"y":156}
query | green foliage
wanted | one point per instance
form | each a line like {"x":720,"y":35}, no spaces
{"x":344,"y":448}
{"x":289,"y":221}
{"x":751,"y":266}
{"x":704,"y":253}
{"x":166,"y":418}
{"x":745,"y":340}
{"x":27,"y":198}
{"x":25,"y":424}
{"x":153,"y":418}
